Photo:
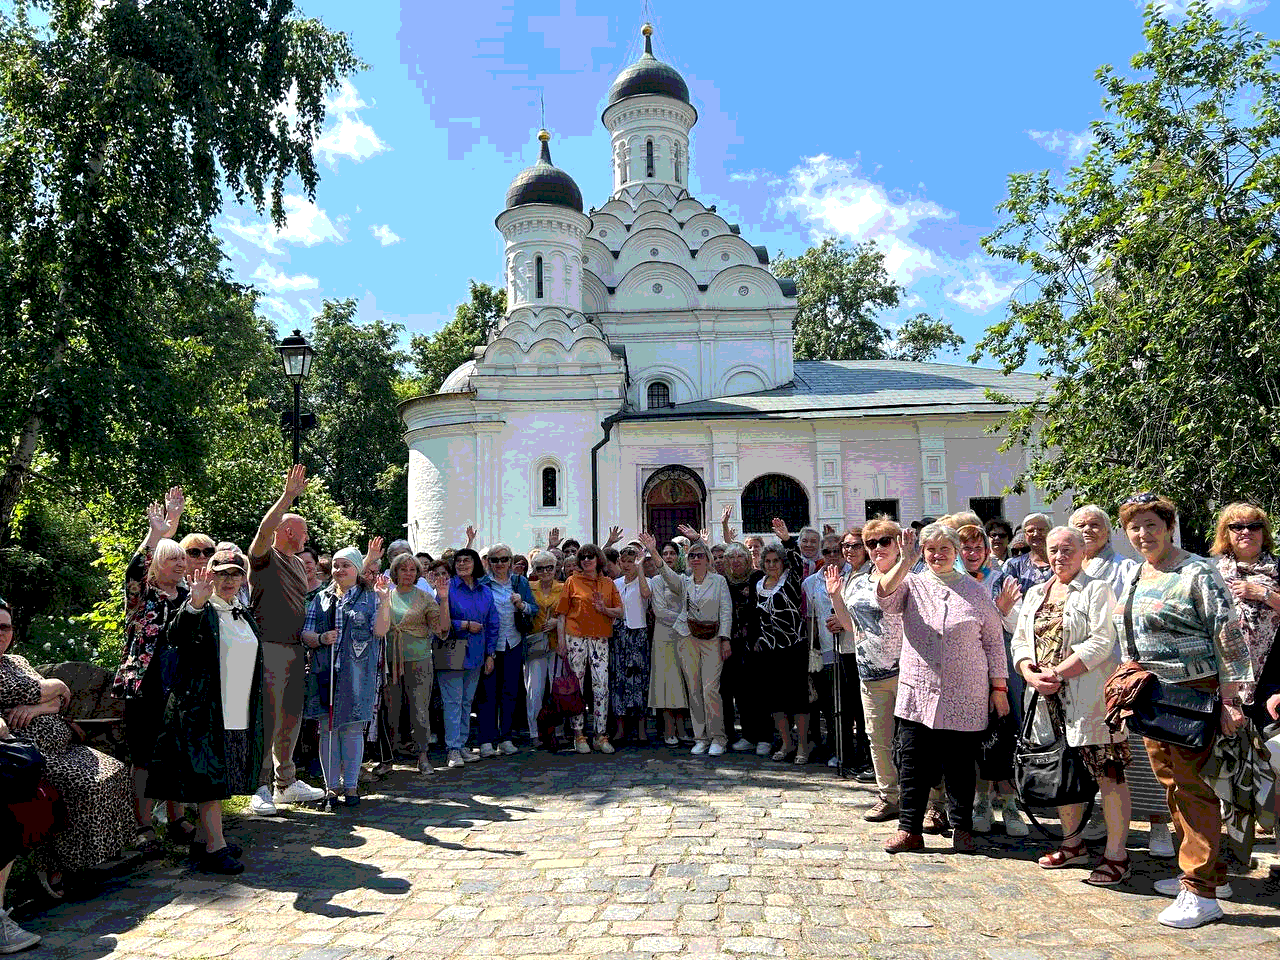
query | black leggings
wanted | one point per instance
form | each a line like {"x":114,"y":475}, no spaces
{"x":924,"y":756}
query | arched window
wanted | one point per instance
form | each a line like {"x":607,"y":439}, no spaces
{"x":537,"y":277}
{"x":659,"y":394}
{"x":648,"y":158}
{"x":675,"y":161}
{"x":774,"y":495}
{"x":550,"y":487}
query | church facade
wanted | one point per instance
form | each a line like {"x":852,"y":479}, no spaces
{"x":643,"y":376}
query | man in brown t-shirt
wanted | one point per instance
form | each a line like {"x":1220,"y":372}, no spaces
{"x":278,"y":593}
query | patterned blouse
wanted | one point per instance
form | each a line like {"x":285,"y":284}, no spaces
{"x":1258,"y":621}
{"x":879,"y":635}
{"x":779,"y":610}
{"x":1185,"y":625}
{"x":147,"y":616}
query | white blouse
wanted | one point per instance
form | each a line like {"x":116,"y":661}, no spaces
{"x":633,"y":605}
{"x":237,"y":659}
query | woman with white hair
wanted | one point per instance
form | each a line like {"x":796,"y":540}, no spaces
{"x":1100,"y":558}
{"x":1032,"y":567}
{"x":953,"y":671}
{"x":1065,"y":647}
{"x":500,"y":689}
{"x":781,"y":655}
{"x":348,"y":619}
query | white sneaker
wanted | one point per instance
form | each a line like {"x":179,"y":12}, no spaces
{"x":299,"y":792}
{"x":699,"y":748}
{"x":262,"y":804}
{"x":507,"y":747}
{"x":455,"y":759}
{"x":469,"y":756}
{"x":716,"y":749}
{"x":1014,"y":825}
{"x":12,"y":937}
{"x":1160,"y":843}
{"x":833,"y":761}
{"x":1190,"y":910}
{"x":742,"y":745}
{"x":982,"y":814}
{"x":764,"y":749}
{"x":581,"y":745}
{"x":1172,"y":886}
{"x":487,"y":751}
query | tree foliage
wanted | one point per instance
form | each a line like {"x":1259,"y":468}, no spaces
{"x":842,"y":290}
{"x":120,"y":125}
{"x":1152,"y":297}
{"x":358,"y":451}
{"x":437,"y":355}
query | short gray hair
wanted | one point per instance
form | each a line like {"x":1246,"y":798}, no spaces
{"x":813,"y":530}
{"x":1071,"y":533}
{"x":774,"y":546}
{"x":940,"y":531}
{"x":499,"y":546}
{"x":542,"y":557}
{"x":736,"y":550}
{"x":399,"y":546}
{"x":1048,"y":521}
{"x":1091,"y":510}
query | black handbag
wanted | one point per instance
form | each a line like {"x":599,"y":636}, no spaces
{"x":1170,"y":712}
{"x":21,"y":767}
{"x":1050,"y":774}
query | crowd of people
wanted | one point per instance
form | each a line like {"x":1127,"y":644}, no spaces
{"x":902,"y":656}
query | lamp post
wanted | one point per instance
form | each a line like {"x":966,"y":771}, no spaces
{"x":296,"y":355}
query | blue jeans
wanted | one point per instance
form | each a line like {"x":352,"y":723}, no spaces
{"x":341,"y":753}
{"x":457,"y":690}
{"x":500,"y":695}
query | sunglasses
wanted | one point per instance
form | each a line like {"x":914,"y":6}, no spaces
{"x":1141,"y":498}
{"x":872,"y":542}
{"x":998,"y":535}
{"x":499,"y":559}
{"x":852,"y":545}
{"x":543,"y":569}
{"x":197,"y":552}
{"x":831,"y":553}
{"x":1253,"y":526}
{"x":698,"y":556}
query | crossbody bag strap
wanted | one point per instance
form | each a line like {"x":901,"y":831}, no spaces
{"x":1131,"y":648}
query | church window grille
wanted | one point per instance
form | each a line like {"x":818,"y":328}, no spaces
{"x":774,"y":495}
{"x":987,"y":508}
{"x":537,"y":277}
{"x":659,"y":394}
{"x":882,"y":508}
{"x":648,"y":158}
{"x":550,"y":487}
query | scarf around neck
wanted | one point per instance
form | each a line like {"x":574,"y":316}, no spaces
{"x":951,"y":576}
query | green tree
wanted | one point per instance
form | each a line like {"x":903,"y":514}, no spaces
{"x":1151,"y":304}
{"x":359,"y":450}
{"x":437,"y":355}
{"x":842,"y":290}
{"x":120,"y":126}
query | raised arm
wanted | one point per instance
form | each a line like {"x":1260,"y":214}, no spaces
{"x":890,"y":582}
{"x":295,"y":482}
{"x":672,"y":579}
{"x":175,"y":501}
{"x":835,"y":590}
{"x":726,"y":532}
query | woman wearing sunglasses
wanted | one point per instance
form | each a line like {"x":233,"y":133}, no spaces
{"x":547,"y":635}
{"x":1245,"y":550}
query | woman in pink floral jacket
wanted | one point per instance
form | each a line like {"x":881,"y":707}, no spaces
{"x":953,"y":671}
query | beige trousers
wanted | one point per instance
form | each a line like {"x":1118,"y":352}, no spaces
{"x":878,"y":697}
{"x":701,"y":665}
{"x":284,"y":686}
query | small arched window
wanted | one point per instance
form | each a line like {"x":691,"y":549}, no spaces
{"x":550,"y":487}
{"x":675,"y":161}
{"x":648,"y":158}
{"x":659,"y":394}
{"x":537,"y":277}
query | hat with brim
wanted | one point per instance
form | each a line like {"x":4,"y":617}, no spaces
{"x":227,"y":561}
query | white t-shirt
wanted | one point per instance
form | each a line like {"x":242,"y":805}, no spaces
{"x":237,"y":659}
{"x":633,"y":605}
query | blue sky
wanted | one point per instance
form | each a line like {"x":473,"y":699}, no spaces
{"x":893,"y":122}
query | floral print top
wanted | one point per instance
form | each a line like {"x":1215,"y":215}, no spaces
{"x":147,"y":616}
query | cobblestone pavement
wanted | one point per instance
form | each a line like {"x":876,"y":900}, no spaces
{"x":647,"y":853}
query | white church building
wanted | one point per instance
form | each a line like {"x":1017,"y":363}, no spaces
{"x":643,"y":376}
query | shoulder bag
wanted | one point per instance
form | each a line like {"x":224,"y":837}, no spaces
{"x":449,"y":652}
{"x":1050,"y":774}
{"x":1170,"y":712}
{"x":701,"y":629}
{"x":21,"y":767}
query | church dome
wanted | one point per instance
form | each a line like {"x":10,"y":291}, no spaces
{"x":649,"y":75}
{"x":544,"y":183}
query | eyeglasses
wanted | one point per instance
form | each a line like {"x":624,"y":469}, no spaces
{"x":543,"y":569}
{"x":831,"y":553}
{"x":852,"y":545}
{"x":1141,"y":498}
{"x":196,"y":553}
{"x":1019,"y":551}
{"x":872,"y":542}
{"x":998,"y":535}
{"x":1253,"y":526}
{"x":499,"y":559}
{"x":697,"y":556}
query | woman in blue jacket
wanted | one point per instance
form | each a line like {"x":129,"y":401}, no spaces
{"x":470,"y":647}
{"x":349,"y":618}
{"x":500,"y":689}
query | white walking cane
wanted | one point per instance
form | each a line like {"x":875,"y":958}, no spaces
{"x":330,"y":801}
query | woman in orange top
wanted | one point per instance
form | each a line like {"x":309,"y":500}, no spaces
{"x":590,"y":603}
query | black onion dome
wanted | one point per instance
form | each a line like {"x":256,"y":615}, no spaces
{"x":649,"y":75}
{"x":544,"y":183}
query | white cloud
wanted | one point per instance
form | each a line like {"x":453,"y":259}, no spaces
{"x":1065,"y":143}
{"x":349,"y":136}
{"x":279,"y":281}
{"x":974,"y":288}
{"x":305,"y":223}
{"x":1178,"y":8}
{"x":833,"y":197}
{"x":280,"y":309}
{"x":384,"y":233}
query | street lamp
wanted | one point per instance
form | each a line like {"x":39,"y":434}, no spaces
{"x":296,"y":355}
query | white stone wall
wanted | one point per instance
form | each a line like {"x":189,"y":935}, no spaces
{"x":555,"y":235}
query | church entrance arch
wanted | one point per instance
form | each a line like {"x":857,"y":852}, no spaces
{"x":672,"y":496}
{"x":774,"y":495}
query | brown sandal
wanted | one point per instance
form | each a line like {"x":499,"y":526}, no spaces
{"x":1065,"y":857}
{"x":1109,"y":872}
